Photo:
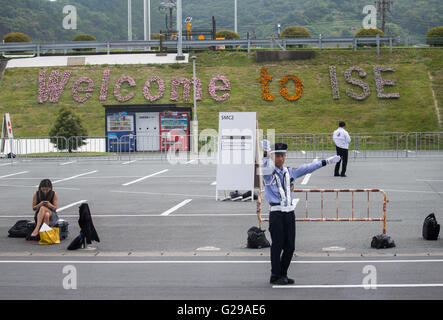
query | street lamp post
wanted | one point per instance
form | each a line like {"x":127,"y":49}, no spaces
{"x":147,"y":20}
{"x":195,"y":121}
{"x":179,"y":28}
{"x":129,"y":20}
{"x":235,"y":16}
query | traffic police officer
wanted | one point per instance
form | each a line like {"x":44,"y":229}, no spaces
{"x":277,"y":180}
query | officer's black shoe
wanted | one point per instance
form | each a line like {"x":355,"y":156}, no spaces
{"x":282,"y":281}
{"x":336,"y":175}
{"x":290,"y":281}
{"x":343,"y":175}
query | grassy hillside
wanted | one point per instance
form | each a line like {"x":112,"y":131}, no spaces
{"x":316,"y":111}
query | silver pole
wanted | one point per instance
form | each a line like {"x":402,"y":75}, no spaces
{"x":179,"y":28}
{"x":147,"y":19}
{"x":195,"y":90}
{"x":235,"y":16}
{"x":129,"y":20}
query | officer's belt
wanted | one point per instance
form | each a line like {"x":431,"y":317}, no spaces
{"x":278,"y":207}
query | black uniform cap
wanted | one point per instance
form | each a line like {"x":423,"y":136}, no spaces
{"x":279,"y":148}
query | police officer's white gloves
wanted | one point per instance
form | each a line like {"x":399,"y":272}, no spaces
{"x":266,"y":145}
{"x":333,"y":159}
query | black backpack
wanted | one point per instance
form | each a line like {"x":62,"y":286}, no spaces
{"x":19,"y":229}
{"x":382,"y":241}
{"x":431,"y":228}
{"x":257,"y":238}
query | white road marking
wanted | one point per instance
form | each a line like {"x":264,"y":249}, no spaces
{"x":429,"y":180}
{"x":128,"y":162}
{"x":174,"y":208}
{"x":190,"y":161}
{"x":33,"y":187}
{"x":162,"y":194}
{"x":206,"y":261}
{"x":13,"y":174}
{"x":306,"y":178}
{"x":65,"y":163}
{"x":71,"y":205}
{"x":412,"y":191}
{"x":366,"y":286}
{"x":214,"y":183}
{"x":5,"y":164}
{"x":146,"y":177}
{"x":73,"y":177}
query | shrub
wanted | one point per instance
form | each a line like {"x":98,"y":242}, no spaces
{"x":434,"y":37}
{"x":370,"y":32}
{"x":84,"y":37}
{"x":67,"y":125}
{"x":227,"y":34}
{"x":16,"y":37}
{"x":295,"y":32}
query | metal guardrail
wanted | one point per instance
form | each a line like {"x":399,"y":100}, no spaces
{"x":204,"y":147}
{"x":39,"y":47}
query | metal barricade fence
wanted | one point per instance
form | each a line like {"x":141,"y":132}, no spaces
{"x":38,"y":147}
{"x":159,"y":147}
{"x":323,"y":216}
{"x":91,"y":147}
{"x":424,"y":143}
{"x":177,"y":148}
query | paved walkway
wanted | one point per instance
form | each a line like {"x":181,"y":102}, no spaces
{"x":112,"y":59}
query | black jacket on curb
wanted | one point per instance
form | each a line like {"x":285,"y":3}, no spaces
{"x":87,"y":228}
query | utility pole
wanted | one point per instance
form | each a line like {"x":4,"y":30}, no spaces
{"x":129,"y":20}
{"x":235,"y":16}
{"x":382,"y":7}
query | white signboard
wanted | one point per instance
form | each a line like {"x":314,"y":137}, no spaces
{"x":236,"y":156}
{"x":6,"y":130}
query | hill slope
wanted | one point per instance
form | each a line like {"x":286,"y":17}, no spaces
{"x":316,"y":111}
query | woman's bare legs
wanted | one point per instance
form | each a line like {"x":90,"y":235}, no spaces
{"x":43,"y":215}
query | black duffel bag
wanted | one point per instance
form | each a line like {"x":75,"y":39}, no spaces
{"x":19,"y":229}
{"x":257,"y":238}
{"x":431,"y":228}
{"x":382,"y":241}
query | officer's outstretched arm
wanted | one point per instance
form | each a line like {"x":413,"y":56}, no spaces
{"x":311,"y":167}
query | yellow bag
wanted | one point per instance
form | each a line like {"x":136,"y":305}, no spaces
{"x":49,"y":236}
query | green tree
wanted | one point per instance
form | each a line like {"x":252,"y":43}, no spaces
{"x":67,"y":125}
{"x":295,"y":32}
{"x":434,"y":37}
{"x":16,"y":37}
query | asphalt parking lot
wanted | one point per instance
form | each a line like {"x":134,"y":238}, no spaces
{"x":163,"y":235}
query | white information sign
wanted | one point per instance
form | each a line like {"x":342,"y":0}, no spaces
{"x":236,"y":156}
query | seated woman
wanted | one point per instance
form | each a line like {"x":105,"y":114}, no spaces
{"x":45,"y":204}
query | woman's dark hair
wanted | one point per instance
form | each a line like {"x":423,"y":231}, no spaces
{"x":45,"y":183}
{"x":341,"y":124}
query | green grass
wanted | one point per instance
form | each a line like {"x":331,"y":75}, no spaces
{"x":314,"y":112}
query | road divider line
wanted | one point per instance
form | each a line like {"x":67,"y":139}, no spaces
{"x":181,"y":204}
{"x":163,"y":194}
{"x":363,"y":286}
{"x":145,"y":177}
{"x":207,"y":262}
{"x":73,"y":177}
{"x":71,"y":205}
{"x":13,"y":174}
{"x":65,"y":163}
{"x":128,"y":162}
{"x":5,"y":164}
{"x":306,"y":178}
